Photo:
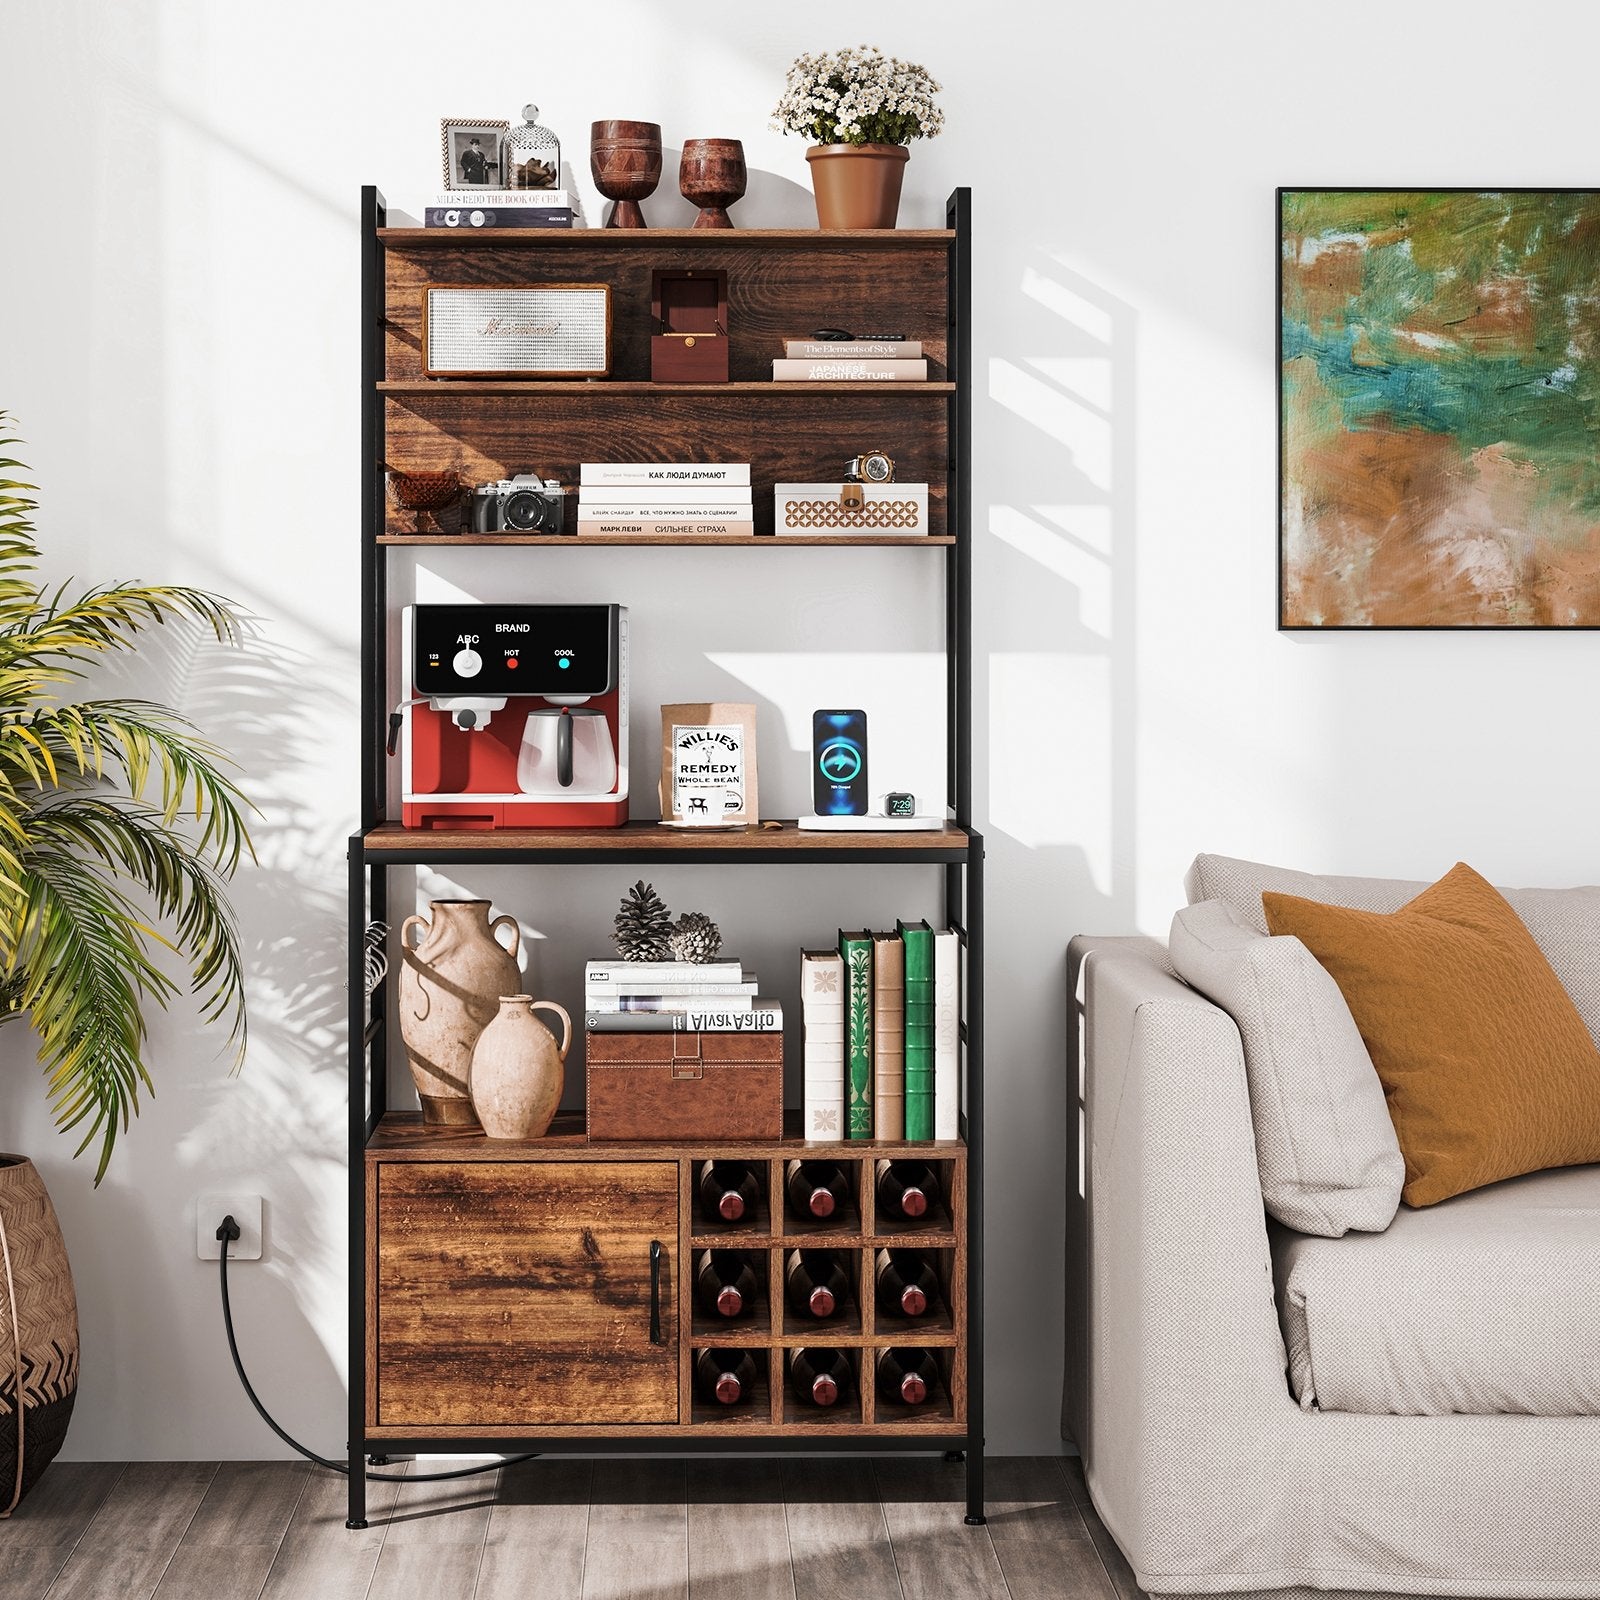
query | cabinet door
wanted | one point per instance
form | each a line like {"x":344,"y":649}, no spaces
{"x":519,"y":1293}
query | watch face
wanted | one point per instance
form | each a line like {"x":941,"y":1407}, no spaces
{"x":877,"y":468}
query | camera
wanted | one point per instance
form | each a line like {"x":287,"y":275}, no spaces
{"x":525,"y":503}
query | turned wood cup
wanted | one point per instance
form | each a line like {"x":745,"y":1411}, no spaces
{"x":712,"y":176}
{"x":625,"y":162}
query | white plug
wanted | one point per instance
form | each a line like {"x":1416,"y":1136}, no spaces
{"x":245,"y":1209}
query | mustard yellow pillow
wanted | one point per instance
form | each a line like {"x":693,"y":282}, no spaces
{"x":1485,"y":1062}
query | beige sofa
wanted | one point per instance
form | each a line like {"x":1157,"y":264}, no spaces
{"x":1180,"y":1391}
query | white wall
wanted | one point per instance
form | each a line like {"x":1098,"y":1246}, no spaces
{"x":180,"y":346}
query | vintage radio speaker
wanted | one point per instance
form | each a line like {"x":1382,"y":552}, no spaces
{"x":556,"y":330}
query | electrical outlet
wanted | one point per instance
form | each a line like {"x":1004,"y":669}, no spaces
{"x":245,"y":1209}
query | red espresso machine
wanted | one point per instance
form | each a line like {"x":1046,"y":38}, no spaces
{"x":518,"y":716}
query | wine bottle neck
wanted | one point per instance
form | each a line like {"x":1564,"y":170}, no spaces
{"x":729,"y":1301}
{"x":913,"y":1301}
{"x":913,"y":1390}
{"x":821,"y":1301}
{"x":913,"y":1201}
{"x":824,"y":1390}
{"x":728,"y":1388}
{"x":820,"y":1203}
{"x":731,"y":1206}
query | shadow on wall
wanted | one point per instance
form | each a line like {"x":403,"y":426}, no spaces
{"x":1055,"y":445}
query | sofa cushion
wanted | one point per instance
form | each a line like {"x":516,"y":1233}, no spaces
{"x":1326,"y":1149}
{"x":1565,"y":923}
{"x":1488,"y":1303}
{"x":1488,"y":1068}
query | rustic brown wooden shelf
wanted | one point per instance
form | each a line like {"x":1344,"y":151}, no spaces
{"x":500,"y":388}
{"x":784,"y":840}
{"x":558,"y":541}
{"x":729,"y":239}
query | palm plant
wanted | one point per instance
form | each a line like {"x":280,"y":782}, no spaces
{"x":96,"y":877}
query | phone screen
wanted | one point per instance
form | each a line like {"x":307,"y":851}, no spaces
{"x":839,"y":763}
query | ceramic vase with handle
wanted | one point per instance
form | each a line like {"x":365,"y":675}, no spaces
{"x":450,"y":988}
{"x":518,"y":1069}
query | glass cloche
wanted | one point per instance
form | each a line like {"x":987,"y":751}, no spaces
{"x":532,"y":155}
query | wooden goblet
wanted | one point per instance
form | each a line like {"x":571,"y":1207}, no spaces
{"x":625,"y":162}
{"x":712,"y":176}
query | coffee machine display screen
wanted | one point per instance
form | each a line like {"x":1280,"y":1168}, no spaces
{"x":501,"y":650}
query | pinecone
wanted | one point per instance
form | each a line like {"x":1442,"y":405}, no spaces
{"x":643,"y":925}
{"x":695,"y":937}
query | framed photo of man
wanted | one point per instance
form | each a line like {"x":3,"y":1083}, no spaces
{"x":471,"y":149}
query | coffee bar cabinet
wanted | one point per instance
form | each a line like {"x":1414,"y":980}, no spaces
{"x":540,"y":1296}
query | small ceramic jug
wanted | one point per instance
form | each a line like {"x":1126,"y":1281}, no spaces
{"x":518,"y":1069}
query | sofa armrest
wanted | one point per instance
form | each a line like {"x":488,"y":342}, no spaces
{"x":1175,"y":1363}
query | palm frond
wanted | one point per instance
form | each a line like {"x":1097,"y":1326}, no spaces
{"x":99,"y":885}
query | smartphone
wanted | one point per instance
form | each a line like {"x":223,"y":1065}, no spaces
{"x":839,"y":763}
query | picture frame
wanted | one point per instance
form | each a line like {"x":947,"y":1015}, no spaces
{"x":708,"y":765}
{"x":1436,"y":407}
{"x":459,"y":138}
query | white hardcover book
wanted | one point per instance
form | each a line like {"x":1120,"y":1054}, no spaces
{"x":663,"y":474}
{"x":720,"y":527}
{"x":852,"y":349}
{"x":786,"y":371}
{"x":723,"y":988}
{"x":667,"y":1002}
{"x":822,"y":1004}
{"x":946,"y":1035}
{"x":596,"y":973}
{"x":688,"y":511}
{"x":765,"y":1016}
{"x":502,"y":199}
{"x":608,"y":500}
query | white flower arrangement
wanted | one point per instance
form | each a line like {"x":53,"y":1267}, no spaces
{"x":858,"y":96}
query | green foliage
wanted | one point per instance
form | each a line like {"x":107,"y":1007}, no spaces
{"x":97,"y":877}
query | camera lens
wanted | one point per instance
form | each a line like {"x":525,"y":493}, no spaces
{"x":524,"y":511}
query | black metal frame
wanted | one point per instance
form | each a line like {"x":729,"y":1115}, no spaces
{"x":368,"y":891}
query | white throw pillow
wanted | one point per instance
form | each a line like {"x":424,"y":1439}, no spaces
{"x":1325,"y":1146}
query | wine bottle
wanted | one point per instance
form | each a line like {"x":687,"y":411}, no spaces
{"x":819,"y":1377}
{"x":907,"y":1377}
{"x":907,"y":1284}
{"x":907,"y":1189}
{"x":728,"y":1191}
{"x":725,"y":1376}
{"x":816,"y":1282}
{"x":726,"y":1284}
{"x":816,"y":1189}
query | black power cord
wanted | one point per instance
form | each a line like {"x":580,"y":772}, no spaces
{"x":227,"y":1231}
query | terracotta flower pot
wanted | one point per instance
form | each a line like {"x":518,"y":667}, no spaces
{"x":450,"y":988}
{"x":518,"y":1069}
{"x":38,"y":1332}
{"x":857,"y":185}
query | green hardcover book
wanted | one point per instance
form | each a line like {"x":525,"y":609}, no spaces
{"x":918,"y":937}
{"x":856,"y":949}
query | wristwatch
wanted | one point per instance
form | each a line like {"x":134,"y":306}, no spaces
{"x":872,"y":467}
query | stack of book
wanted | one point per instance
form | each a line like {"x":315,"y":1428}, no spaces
{"x":478,"y":210}
{"x":675,"y":997}
{"x":851,"y":361}
{"x":664,"y":499}
{"x":882,"y":1035}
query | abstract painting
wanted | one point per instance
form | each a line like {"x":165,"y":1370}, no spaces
{"x":1439,"y":408}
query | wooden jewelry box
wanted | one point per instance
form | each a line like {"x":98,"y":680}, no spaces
{"x":689,"y":315}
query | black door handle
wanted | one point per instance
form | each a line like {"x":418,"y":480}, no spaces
{"x":655,"y":1292}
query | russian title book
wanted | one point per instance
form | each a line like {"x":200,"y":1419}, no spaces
{"x":786,"y":371}
{"x":664,"y":527}
{"x":917,"y":938}
{"x":663,"y":474}
{"x":888,"y":1036}
{"x":946,"y":1035}
{"x":764,"y":1016}
{"x":651,"y":500}
{"x":856,"y":949}
{"x":822,"y":1009}
{"x":852,"y":349}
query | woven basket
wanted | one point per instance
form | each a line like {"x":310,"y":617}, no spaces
{"x":38,"y":1332}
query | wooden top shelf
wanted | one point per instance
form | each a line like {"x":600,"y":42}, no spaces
{"x":641,"y":238}
{"x":402,"y":1136}
{"x":740,"y":541}
{"x":769,"y":842}
{"x":617,"y":386}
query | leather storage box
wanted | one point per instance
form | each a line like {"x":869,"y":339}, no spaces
{"x":689,"y":313}
{"x":653,"y":1086}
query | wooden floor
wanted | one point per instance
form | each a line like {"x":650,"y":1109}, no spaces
{"x":847,"y":1529}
